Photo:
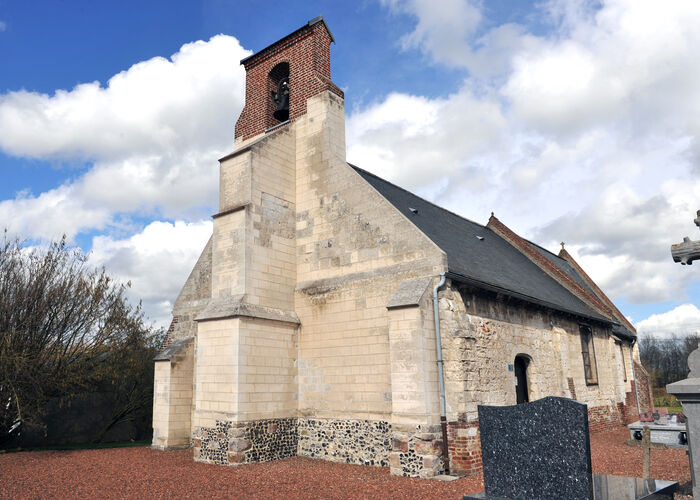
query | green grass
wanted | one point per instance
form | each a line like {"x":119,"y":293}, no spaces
{"x":84,"y":446}
{"x":673,"y":409}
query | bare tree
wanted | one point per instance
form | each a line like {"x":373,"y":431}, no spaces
{"x":65,"y":328}
{"x":665,"y":358}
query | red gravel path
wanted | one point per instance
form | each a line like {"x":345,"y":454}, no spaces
{"x":144,"y":473}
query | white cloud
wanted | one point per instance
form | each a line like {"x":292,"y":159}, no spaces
{"x":588,"y":134}
{"x":153,"y":133}
{"x":3,"y":26}
{"x":152,"y":137}
{"x":156,"y":105}
{"x":683,"y":320}
{"x":51,"y":214}
{"x":156,"y":260}
{"x":440,"y":32}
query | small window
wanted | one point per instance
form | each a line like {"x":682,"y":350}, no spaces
{"x":588,"y":353}
{"x":624,"y":366}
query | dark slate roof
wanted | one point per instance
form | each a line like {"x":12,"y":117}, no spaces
{"x":623,"y":333}
{"x":477,"y":255}
{"x":563,"y":265}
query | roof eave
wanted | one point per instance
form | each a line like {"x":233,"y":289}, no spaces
{"x":495,"y":288}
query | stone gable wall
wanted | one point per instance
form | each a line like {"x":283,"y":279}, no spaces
{"x":353,"y":251}
{"x":192,"y":300}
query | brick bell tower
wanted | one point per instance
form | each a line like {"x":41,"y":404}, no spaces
{"x":302,"y":57}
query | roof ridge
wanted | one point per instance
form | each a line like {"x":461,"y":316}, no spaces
{"x":543,"y":248}
{"x":565,"y":255}
{"x":553,"y":271}
{"x":414,"y":194}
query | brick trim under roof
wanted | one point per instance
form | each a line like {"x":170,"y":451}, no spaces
{"x":553,"y":271}
{"x":616,"y":312}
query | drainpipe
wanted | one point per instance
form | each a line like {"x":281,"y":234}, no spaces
{"x":634,"y":376}
{"x":441,"y":374}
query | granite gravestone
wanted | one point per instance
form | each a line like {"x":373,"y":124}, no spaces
{"x":541,"y":450}
{"x":536,"y":450}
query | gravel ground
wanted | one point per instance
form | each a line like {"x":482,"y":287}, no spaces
{"x":143,"y":473}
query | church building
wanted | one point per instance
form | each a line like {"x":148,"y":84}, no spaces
{"x":335,"y":315}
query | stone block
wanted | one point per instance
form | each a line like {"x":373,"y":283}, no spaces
{"x":399,"y":443}
{"x":396,"y":471}
{"x":236,"y":458}
{"x":237,"y":432}
{"x":432,"y":464}
{"x":239,"y":444}
{"x":427,"y":436}
{"x":427,"y":447}
{"x":395,"y":461}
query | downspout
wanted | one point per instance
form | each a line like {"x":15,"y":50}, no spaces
{"x":634,"y":376}
{"x":441,"y":374}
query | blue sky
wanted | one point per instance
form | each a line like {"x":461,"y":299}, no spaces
{"x":571,"y":120}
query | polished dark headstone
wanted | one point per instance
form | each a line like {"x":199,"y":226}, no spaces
{"x":616,"y":488}
{"x":536,"y":450}
{"x":541,"y":450}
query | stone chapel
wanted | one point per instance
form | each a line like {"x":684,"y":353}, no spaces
{"x":310,"y":326}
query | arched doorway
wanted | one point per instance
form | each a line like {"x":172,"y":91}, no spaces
{"x":522,"y":394}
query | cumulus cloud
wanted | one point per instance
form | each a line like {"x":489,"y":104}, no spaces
{"x":440,"y":32}
{"x":152,"y":134}
{"x":156,"y":260}
{"x":150,"y":138}
{"x":157,"y":105}
{"x":51,"y":214}
{"x":683,"y":320}
{"x":588,"y":133}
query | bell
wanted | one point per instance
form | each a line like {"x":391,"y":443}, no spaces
{"x":282,"y":101}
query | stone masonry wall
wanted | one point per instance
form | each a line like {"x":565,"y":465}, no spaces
{"x":364,"y":442}
{"x":482,"y":334}
{"x":353,"y":251}
{"x":229,"y":443}
{"x":416,"y":451}
{"x":361,"y":442}
{"x":192,"y":300}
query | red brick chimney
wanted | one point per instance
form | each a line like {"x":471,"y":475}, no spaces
{"x":304,"y":57}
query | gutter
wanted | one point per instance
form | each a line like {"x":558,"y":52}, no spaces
{"x":441,"y":374}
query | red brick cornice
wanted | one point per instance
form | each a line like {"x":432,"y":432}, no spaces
{"x":618,"y":315}
{"x":552,"y":270}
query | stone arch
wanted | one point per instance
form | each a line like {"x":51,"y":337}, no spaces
{"x":276,"y":75}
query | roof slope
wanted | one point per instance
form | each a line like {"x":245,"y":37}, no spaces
{"x":563,"y":265}
{"x":480,"y":255}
